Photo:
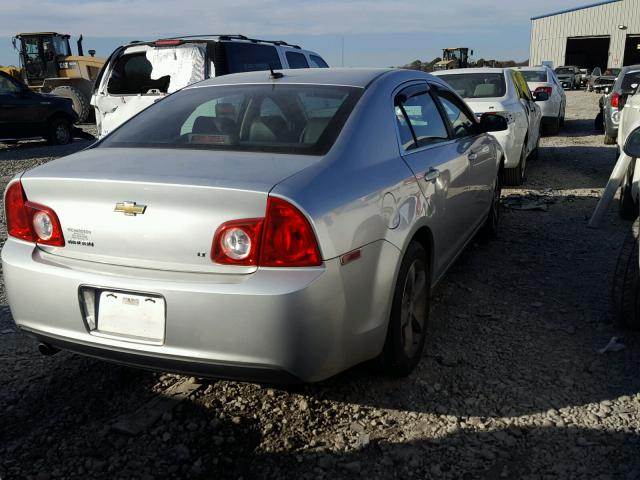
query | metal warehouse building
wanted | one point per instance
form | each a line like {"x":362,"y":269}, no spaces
{"x":603,"y":34}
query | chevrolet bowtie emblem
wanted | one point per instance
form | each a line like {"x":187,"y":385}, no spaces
{"x":130,"y":208}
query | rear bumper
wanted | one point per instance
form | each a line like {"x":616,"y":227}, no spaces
{"x":510,"y":146}
{"x":272,"y":325}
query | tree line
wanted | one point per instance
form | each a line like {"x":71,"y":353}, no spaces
{"x":481,"y":62}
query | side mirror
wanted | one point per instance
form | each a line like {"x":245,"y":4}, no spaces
{"x":491,"y":122}
{"x":632,"y":144}
{"x":541,"y":97}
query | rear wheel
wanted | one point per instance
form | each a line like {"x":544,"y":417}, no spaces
{"x":626,"y":282}
{"x":515,"y":176}
{"x":409,"y":314}
{"x":554,"y":127}
{"x":80,"y":101}
{"x":59,"y":131}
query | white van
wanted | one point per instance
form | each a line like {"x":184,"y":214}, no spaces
{"x":138,"y":74}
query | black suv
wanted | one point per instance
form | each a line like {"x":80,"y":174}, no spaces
{"x":26,"y":115}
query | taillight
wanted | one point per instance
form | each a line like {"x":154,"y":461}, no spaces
{"x":237,"y":242}
{"x":615,"y":99}
{"x":287,"y":239}
{"x":167,"y":43}
{"x":31,"y":221}
{"x":547,"y":90}
{"x":284,"y":238}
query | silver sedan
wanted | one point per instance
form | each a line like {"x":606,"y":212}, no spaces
{"x":275,"y":227}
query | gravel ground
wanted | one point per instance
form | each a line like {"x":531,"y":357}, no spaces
{"x":511,"y":385}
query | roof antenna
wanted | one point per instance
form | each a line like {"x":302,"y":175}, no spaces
{"x":275,"y":75}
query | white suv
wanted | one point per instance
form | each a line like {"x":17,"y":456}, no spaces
{"x":138,"y":74}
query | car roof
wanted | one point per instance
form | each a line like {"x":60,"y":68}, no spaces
{"x":470,"y":70}
{"x":536,"y":68}
{"x":352,"y":77}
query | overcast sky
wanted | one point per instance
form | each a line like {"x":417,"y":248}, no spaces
{"x":375,"y":32}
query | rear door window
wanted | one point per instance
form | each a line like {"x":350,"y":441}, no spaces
{"x":418,"y":119}
{"x":251,"y":57}
{"x":317,"y":62}
{"x":297,"y":60}
{"x":461,"y":121}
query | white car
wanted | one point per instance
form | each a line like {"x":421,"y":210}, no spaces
{"x":543,"y":79}
{"x":503,"y":91}
{"x":141,"y":73}
{"x":629,"y":121}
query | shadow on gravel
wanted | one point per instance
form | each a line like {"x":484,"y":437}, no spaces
{"x":30,"y":150}
{"x":566,"y":168}
{"x":579,"y":127}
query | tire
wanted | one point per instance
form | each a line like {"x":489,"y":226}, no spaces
{"x":491,"y":224}
{"x":628,"y":208}
{"x":626,"y":283}
{"x":408,"y":322}
{"x":598,"y":123}
{"x":514,"y":176}
{"x":533,"y":154}
{"x":554,"y":127}
{"x":80,"y":101}
{"x":608,"y":140}
{"x":59,"y":131}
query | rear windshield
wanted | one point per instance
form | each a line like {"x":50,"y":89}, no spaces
{"x":157,"y":70}
{"x":302,"y":119}
{"x":477,"y":85}
{"x":565,"y":71}
{"x":630,"y":79}
{"x":534,"y":75}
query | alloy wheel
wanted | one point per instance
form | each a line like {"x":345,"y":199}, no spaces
{"x":413,"y":311}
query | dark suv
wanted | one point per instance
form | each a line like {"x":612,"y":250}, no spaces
{"x":25,"y":114}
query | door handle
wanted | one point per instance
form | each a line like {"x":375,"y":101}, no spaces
{"x":473,"y":156}
{"x":431,"y":175}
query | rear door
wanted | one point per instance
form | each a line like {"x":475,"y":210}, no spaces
{"x":442,"y":173}
{"x":22,"y":112}
{"x":477,"y":149}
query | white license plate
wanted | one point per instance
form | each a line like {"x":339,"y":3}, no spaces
{"x":135,"y":316}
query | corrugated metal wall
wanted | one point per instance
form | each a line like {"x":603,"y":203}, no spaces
{"x":549,"y":34}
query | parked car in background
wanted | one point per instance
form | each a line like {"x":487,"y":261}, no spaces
{"x":604,"y":83}
{"x":25,"y":114}
{"x":584,"y":77}
{"x":569,"y":76}
{"x":629,"y":121}
{"x":208,"y":233}
{"x":503,"y":91}
{"x":543,"y":79}
{"x":610,"y":105}
{"x":138,"y":74}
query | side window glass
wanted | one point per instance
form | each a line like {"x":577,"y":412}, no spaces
{"x":296,"y":60}
{"x":249,"y":57}
{"x":317,"y":62}
{"x":419,"y":122}
{"x":461,"y":123}
{"x":7,"y":87}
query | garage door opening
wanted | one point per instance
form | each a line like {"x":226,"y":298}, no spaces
{"x":632,"y":50}
{"x":588,"y":52}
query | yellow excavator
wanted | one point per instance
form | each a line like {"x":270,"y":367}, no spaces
{"x":48,"y":66}
{"x":453,"y":58}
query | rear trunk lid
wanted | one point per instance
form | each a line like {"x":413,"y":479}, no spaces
{"x":155,"y":208}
